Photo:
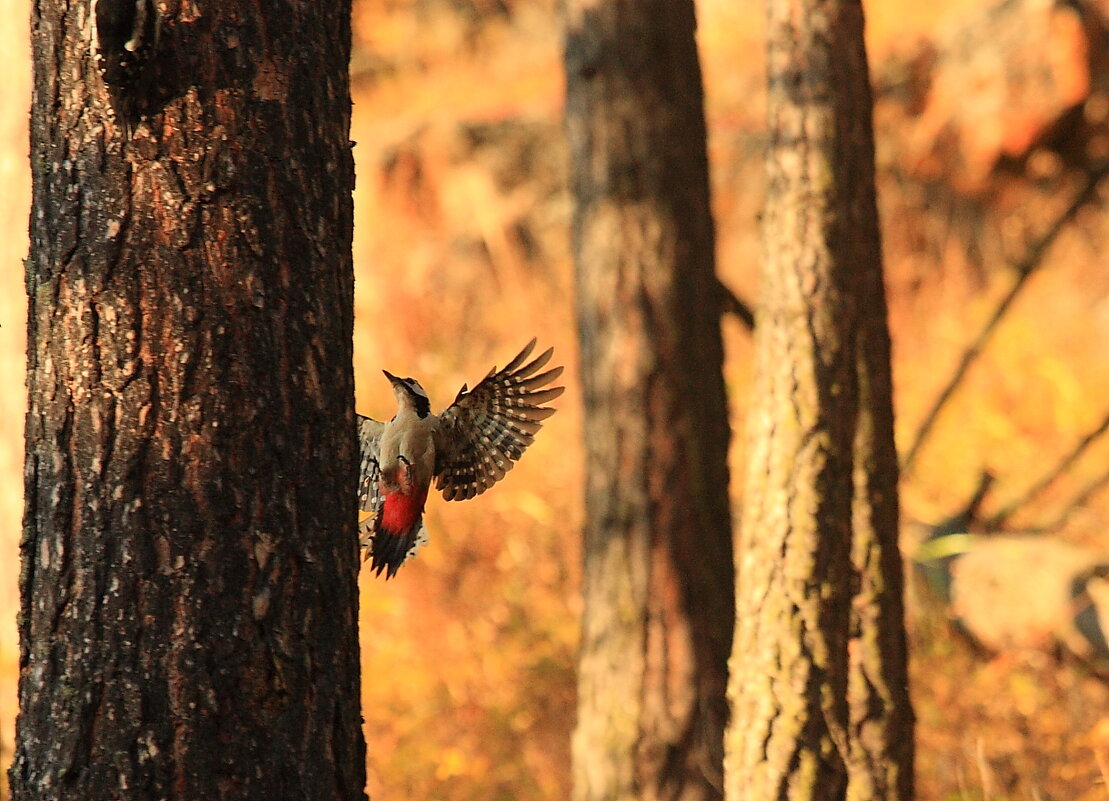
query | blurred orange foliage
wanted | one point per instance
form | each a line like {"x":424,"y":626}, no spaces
{"x":462,"y":254}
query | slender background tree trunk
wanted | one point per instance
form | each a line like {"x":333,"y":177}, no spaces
{"x":820,"y":516}
{"x":659,"y":601}
{"x":189,"y":560}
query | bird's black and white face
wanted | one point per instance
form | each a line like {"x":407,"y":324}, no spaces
{"x":410,"y":394}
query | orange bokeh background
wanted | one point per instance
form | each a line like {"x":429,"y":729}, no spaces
{"x":462,"y":254}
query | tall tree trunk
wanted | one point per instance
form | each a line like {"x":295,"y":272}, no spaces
{"x":822,"y":466}
{"x":189,"y":558}
{"x":658,"y":592}
{"x":821,"y":518}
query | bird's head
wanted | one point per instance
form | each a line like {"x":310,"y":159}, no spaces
{"x":410,"y":395}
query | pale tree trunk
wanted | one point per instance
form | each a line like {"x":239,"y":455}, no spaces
{"x":189,"y":558}
{"x":807,"y":722}
{"x":658,"y":591}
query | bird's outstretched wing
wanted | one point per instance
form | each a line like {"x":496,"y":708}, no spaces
{"x":392,"y":552}
{"x":486,"y":429}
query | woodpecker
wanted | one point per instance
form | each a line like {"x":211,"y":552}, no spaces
{"x":466,"y":449}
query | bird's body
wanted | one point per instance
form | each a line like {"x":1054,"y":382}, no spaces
{"x":465,"y":450}
{"x":405,"y":467}
{"x":407,"y":449}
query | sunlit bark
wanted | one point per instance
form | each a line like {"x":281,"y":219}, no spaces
{"x":818,"y":685}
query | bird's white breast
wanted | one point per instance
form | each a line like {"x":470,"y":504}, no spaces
{"x":410,"y":436}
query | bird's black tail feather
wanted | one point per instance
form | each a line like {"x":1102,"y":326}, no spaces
{"x":389,"y":551}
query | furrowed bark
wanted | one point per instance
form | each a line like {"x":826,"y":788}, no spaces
{"x":189,"y":557}
{"x":818,"y":684}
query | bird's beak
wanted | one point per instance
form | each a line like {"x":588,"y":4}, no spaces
{"x":392,"y":378}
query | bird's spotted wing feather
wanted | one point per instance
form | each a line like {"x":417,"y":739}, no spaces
{"x":369,"y":441}
{"x":486,"y":429}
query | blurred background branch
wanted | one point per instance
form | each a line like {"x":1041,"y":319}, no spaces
{"x":1024,"y":269}
{"x":731,"y":304}
{"x":1002,"y":516}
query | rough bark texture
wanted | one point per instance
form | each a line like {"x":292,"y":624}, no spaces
{"x":658,"y":589}
{"x":189,"y":558}
{"x":881,"y":734}
{"x":822,"y":390}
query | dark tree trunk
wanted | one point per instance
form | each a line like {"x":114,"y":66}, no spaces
{"x":822,"y":466}
{"x":658,"y":592}
{"x":189,"y":559}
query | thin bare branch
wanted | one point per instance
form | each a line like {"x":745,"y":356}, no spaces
{"x":1078,"y":501}
{"x":999,"y":519}
{"x":730,"y":303}
{"x":1024,"y":269}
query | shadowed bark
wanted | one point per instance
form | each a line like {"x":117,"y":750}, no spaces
{"x":189,"y":558}
{"x":881,"y":760}
{"x":881,"y":756}
{"x":658,"y":587}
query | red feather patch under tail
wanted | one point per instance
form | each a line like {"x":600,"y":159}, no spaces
{"x":396,"y":529}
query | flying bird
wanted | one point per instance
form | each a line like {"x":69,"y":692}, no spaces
{"x":466,"y":449}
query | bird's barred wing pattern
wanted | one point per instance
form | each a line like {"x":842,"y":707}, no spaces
{"x":369,"y":440}
{"x":486,"y":429}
